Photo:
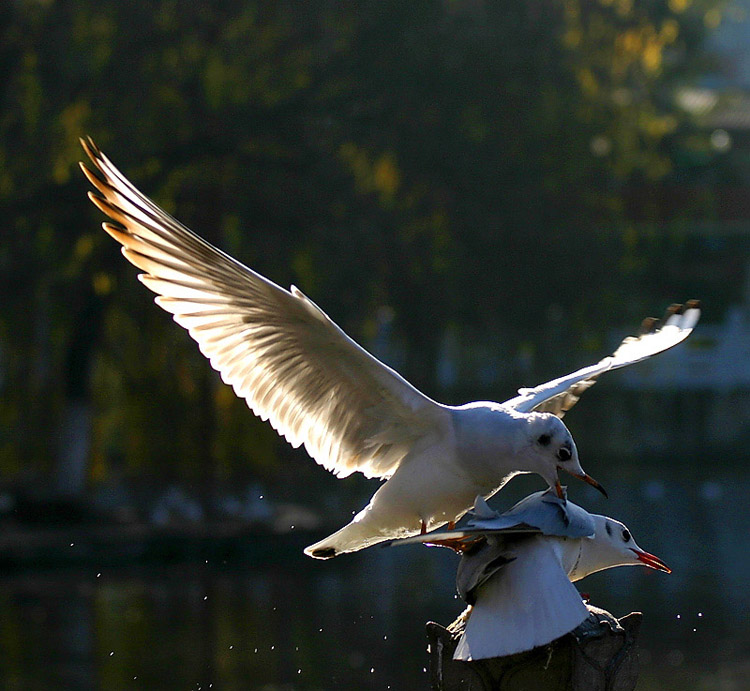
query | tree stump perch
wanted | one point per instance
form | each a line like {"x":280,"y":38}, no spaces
{"x":599,"y":655}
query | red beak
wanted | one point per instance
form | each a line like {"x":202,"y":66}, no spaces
{"x":559,"y":490}
{"x":651,"y":561}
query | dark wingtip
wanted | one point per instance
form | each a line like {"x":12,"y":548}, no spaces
{"x":324,"y":553}
{"x":648,"y":325}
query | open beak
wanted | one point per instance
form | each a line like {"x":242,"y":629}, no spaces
{"x":651,"y":561}
{"x":591,"y":481}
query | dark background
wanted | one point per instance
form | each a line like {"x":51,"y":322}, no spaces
{"x":485,"y":195}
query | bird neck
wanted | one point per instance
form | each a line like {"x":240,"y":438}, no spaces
{"x":489,"y":440}
{"x":575,"y":553}
{"x":596,"y":555}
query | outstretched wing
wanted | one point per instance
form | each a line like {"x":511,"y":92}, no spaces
{"x":461,"y":539}
{"x":295,"y":367}
{"x":540,"y":513}
{"x":560,"y":395}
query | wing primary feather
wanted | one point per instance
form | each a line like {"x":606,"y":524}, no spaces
{"x":559,"y":395}
{"x":276,"y":348}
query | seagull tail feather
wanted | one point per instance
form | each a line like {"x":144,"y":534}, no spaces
{"x":351,"y":538}
{"x":345,"y":540}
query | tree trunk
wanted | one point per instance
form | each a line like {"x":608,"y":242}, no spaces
{"x":73,"y":449}
{"x":74,"y":440}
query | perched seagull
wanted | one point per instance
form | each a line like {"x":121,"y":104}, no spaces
{"x":297,"y":369}
{"x":517,"y":568}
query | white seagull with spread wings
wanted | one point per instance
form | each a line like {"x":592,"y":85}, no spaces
{"x":297,"y":369}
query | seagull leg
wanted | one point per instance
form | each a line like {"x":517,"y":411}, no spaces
{"x":457,"y":544}
{"x":451,"y":525}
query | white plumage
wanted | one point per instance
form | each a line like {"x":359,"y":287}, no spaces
{"x":530,"y":603}
{"x":518,"y":567}
{"x":318,"y":388}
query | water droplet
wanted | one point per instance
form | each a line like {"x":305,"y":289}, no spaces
{"x":231,"y":647}
{"x":700,"y":614}
{"x":260,"y":497}
{"x":385,"y":638}
{"x":372,"y":670}
{"x":694,"y":630}
{"x":679,"y":616}
{"x":205,"y":597}
{"x":255,"y":651}
{"x":272,"y":647}
{"x":299,"y":671}
{"x":112,"y":653}
{"x":98,"y":575}
{"x":72,"y":543}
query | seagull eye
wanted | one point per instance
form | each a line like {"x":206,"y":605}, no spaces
{"x":625,"y":536}
{"x":544,"y":440}
{"x":564,"y":453}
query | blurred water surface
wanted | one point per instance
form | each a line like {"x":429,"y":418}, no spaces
{"x":279,"y":620}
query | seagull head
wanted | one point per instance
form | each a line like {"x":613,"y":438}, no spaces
{"x":554,"y":450}
{"x":612,"y":545}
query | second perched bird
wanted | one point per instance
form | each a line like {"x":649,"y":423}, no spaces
{"x":518,"y":567}
{"x":317,"y":387}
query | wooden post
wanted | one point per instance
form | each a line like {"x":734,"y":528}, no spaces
{"x":599,"y":655}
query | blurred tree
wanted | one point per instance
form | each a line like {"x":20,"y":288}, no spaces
{"x":467,"y":165}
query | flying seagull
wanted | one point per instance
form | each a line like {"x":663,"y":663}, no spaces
{"x":517,"y":570}
{"x":297,"y":369}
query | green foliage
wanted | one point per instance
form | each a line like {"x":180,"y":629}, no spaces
{"x":468,"y":164}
